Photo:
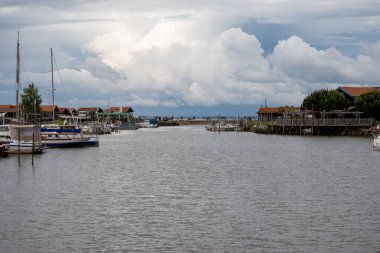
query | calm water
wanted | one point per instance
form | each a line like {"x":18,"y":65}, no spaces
{"x":184,"y":189}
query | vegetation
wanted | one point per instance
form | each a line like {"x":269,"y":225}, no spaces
{"x":325,"y":99}
{"x":369,"y":103}
{"x":31,"y":100}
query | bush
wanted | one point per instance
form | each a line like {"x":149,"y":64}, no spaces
{"x":325,"y":100}
{"x":369,"y":103}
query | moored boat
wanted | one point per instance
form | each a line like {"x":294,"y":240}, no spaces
{"x":55,"y":136}
{"x":4,"y":148}
{"x":125,"y":125}
{"x":22,"y":139}
{"x":376,"y":139}
{"x":148,"y":123}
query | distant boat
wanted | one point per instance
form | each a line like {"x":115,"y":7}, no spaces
{"x":223,"y":126}
{"x":148,"y":123}
{"x":96,"y":128}
{"x":55,"y":136}
{"x":376,"y":139}
{"x":22,"y":139}
{"x":126,"y":126}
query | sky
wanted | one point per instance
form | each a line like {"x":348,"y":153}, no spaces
{"x":188,"y":58}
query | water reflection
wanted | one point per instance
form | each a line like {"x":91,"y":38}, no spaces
{"x":185,"y":189}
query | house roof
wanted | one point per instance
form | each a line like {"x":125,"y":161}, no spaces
{"x":269,"y":110}
{"x":120,"y":109}
{"x":90,"y":109}
{"x":8,"y":108}
{"x":63,"y":110}
{"x":49,"y":108}
{"x":68,"y":109}
{"x":357,"y":91}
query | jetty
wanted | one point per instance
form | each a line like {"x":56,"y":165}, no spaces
{"x":294,"y":122}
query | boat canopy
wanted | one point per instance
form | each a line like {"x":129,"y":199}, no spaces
{"x":61,"y":130}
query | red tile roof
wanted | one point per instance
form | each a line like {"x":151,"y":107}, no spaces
{"x":120,"y":109}
{"x":357,"y":91}
{"x":89,"y":109}
{"x":7,"y":106}
{"x":49,"y":108}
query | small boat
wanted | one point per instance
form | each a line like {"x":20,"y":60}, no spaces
{"x":148,"y":123}
{"x":376,"y":139}
{"x":22,"y":139}
{"x":55,"y":136}
{"x":226,"y":128}
{"x":4,"y":148}
{"x":223,"y":128}
{"x":96,"y":128}
{"x":223,"y":125}
{"x":125,"y":125}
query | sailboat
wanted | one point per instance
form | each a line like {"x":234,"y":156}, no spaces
{"x":56,"y":136}
{"x":22,"y":139}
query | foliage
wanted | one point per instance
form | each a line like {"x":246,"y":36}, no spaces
{"x":58,"y":121}
{"x":30,"y":99}
{"x":369,"y":103}
{"x":325,"y":99}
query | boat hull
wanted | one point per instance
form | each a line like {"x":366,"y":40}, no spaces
{"x":14,"y":148}
{"x":71,"y":143}
{"x":4,"y":149}
{"x":67,"y":137}
{"x":376,"y":143}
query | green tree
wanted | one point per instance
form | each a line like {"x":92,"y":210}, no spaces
{"x":369,"y":103}
{"x":31,"y":100}
{"x":325,"y":99}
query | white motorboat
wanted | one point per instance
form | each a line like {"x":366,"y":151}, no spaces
{"x":22,"y":139}
{"x":148,"y":123}
{"x":55,"y":136}
{"x":376,"y":140}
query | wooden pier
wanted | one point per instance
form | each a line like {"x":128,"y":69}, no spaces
{"x":318,"y":126}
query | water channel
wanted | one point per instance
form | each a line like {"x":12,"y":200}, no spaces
{"x":184,"y":189}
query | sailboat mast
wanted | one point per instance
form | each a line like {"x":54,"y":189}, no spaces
{"x":52,"y":80}
{"x":18,"y":79}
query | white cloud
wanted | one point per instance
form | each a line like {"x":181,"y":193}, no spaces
{"x":228,"y":69}
{"x":299,"y":60}
{"x":179,"y":53}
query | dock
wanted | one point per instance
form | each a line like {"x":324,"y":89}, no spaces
{"x":316,"y":126}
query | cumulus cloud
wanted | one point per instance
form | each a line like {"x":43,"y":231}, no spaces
{"x":229,"y":69}
{"x":177,"y":54}
{"x":299,"y":60}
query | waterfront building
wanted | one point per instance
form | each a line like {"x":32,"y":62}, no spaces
{"x":49,"y":112}
{"x":351,"y":93}
{"x":272,"y":113}
{"x":7,"y":112}
{"x":89,"y":113}
{"x":118,"y":112}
